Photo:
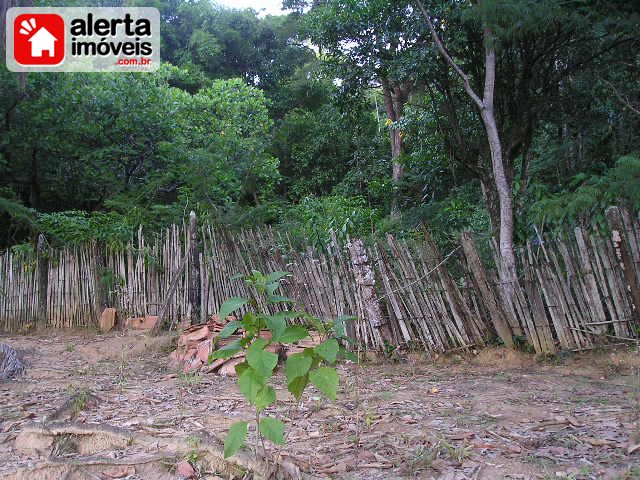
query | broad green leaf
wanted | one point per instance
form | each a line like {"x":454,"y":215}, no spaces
{"x":265,"y":397}
{"x":348,"y":354}
{"x":235,"y":438}
{"x":297,"y":386}
{"x":297,"y":365}
{"x":227,"y":351}
{"x":240,"y":368}
{"x":293,"y":333}
{"x":250,"y":383}
{"x":326,"y":380}
{"x":229,"y":329}
{"x":260,"y":360}
{"x":328,"y":350}
{"x":231,"y":306}
{"x":276,"y":276}
{"x":272,"y":429}
{"x":276,"y":324}
{"x":271,"y":288}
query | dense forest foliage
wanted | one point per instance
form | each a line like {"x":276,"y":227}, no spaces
{"x":356,"y":117}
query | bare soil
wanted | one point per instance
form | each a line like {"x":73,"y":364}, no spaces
{"x":493,"y":415}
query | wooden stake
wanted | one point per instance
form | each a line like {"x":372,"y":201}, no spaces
{"x":365,"y":279}
{"x":195,"y":292}
{"x":479,"y":273}
{"x":43,"y":281}
{"x":623,"y":254}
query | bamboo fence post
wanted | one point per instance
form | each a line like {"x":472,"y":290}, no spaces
{"x":43,"y":281}
{"x":459,"y":309}
{"x":624,"y":256}
{"x":195,"y":292}
{"x":101,"y":295}
{"x":479,"y":273}
{"x":593,"y":297}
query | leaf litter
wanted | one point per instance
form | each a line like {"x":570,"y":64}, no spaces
{"x":447,"y":420}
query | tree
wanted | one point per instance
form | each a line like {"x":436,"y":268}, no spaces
{"x":521,"y":56}
{"x":486,"y":107}
{"x":370,"y":45}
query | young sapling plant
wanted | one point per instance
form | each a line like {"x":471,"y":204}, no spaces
{"x":260,"y":331}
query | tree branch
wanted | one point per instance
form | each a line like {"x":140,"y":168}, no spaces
{"x":443,"y":51}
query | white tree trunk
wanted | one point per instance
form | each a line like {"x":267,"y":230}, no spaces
{"x":508,"y":269}
{"x":485,"y":105}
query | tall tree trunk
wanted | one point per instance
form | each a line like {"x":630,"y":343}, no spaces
{"x":397,"y":149}
{"x":503,"y":185}
{"x":395,"y":98}
{"x":486,"y":108}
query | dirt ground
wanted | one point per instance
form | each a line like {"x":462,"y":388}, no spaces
{"x":494,"y":415}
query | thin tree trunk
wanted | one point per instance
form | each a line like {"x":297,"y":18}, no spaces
{"x":503,"y":186}
{"x":395,"y":98}
{"x":485,"y":106}
{"x":397,"y":149}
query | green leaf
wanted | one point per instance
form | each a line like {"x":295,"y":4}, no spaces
{"x":265,"y":397}
{"x":340,"y":325}
{"x":276,"y":324}
{"x":326,"y":380}
{"x":297,"y":365}
{"x":278,"y":299}
{"x":290,"y":314}
{"x":227,"y":351}
{"x":231,"y":306}
{"x":293,"y":333}
{"x":276,"y":276}
{"x":250,"y":383}
{"x":348,"y":354}
{"x":235,"y":438}
{"x":328,"y":350}
{"x":271,"y":288}
{"x":229,"y":329}
{"x":260,"y":360}
{"x":272,"y":429}
{"x":240,"y":368}
{"x":297,"y":386}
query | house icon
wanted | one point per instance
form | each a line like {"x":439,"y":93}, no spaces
{"x":42,"y":40}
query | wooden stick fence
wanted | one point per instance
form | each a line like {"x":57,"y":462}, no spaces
{"x":572,"y":292}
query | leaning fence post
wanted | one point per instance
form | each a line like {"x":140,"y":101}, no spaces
{"x":365,"y":279}
{"x":498,"y":317}
{"x":623,"y":254}
{"x":43,"y":280}
{"x":194,"y":270}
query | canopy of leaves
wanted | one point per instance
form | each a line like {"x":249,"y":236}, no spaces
{"x":281,"y":120}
